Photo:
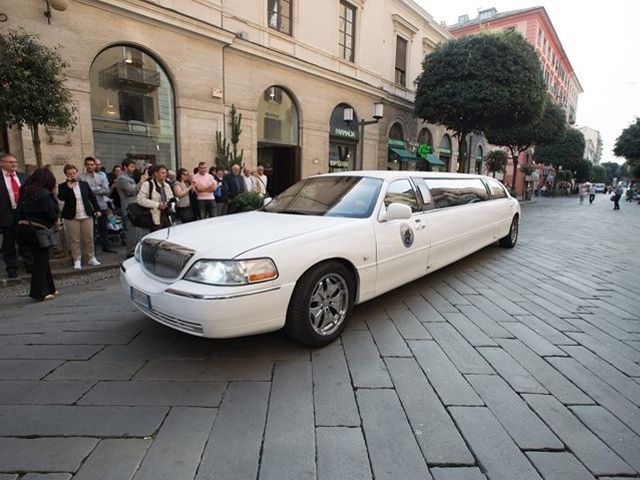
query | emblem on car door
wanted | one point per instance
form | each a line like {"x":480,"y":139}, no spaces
{"x":406,"y":233}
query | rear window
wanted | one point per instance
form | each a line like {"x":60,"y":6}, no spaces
{"x":497,"y":189}
{"x":451,"y":192}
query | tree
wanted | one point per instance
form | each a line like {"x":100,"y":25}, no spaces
{"x":495,"y":161}
{"x":582,"y":170}
{"x":628,"y":145}
{"x":474,"y":83}
{"x":598,"y":174}
{"x":611,"y":171}
{"x":550,"y":128}
{"x":33,"y":90}
{"x":566,"y":153}
{"x":227,"y":155}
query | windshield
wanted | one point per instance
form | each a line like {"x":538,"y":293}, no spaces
{"x":333,"y":196}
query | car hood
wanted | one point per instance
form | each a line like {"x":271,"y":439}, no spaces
{"x":231,"y":235}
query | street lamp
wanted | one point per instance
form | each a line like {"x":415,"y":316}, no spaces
{"x":378,"y":113}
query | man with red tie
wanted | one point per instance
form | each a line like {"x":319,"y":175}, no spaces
{"x":9,"y":197}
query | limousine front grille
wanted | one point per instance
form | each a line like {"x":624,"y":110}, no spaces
{"x":164,"y":259}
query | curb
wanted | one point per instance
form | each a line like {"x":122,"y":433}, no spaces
{"x":59,"y":274}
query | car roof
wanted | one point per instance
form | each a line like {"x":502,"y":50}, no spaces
{"x":391,"y":174}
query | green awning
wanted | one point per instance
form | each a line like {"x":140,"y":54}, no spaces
{"x":404,"y":154}
{"x":435,"y":161}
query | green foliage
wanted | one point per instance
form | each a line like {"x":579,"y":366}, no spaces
{"x":495,"y":161}
{"x":222,"y":151}
{"x":611,"y":171}
{"x":582,"y":170}
{"x":628,"y":143}
{"x":236,"y":130}
{"x":635,"y":172}
{"x":564,"y":175}
{"x":598,"y":174}
{"x":227,"y":155}
{"x":247,"y":201}
{"x":478,"y":82}
{"x":527,"y":169}
{"x":33,"y":90}
{"x":568,"y":152}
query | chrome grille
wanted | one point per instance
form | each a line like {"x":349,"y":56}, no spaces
{"x":164,"y":259}
{"x":173,"y":322}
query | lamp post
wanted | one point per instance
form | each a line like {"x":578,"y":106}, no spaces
{"x":378,"y":113}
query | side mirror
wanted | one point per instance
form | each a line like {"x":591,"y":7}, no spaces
{"x":266,"y":201}
{"x":397,"y":211}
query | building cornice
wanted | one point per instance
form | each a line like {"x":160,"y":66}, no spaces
{"x":167,"y":18}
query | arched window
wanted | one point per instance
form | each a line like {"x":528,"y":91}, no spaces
{"x":479,"y":158}
{"x":425,"y":138}
{"x":396,"y":132}
{"x":132,"y":108}
{"x":277,"y":117}
{"x":343,"y":140}
{"x":445,"y":149}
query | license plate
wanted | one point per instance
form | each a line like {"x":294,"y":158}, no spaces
{"x":140,"y":298}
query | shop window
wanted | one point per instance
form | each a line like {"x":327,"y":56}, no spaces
{"x":132,"y":108}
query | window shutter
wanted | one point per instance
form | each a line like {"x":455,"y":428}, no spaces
{"x":401,"y":54}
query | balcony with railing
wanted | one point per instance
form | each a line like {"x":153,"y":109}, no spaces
{"x":123,"y":75}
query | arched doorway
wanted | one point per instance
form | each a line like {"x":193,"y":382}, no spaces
{"x":399,"y":157}
{"x":445,"y":150}
{"x":278,"y":150}
{"x":479,"y":158}
{"x":343,"y":140}
{"x":132,"y":108}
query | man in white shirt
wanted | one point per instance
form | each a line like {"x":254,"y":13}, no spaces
{"x":247,"y":178}
{"x":263,"y":181}
{"x":99,"y":184}
{"x":9,"y":198}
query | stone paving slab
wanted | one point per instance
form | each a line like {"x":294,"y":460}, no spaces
{"x":44,"y":454}
{"x":509,"y":364}
{"x":114,"y":459}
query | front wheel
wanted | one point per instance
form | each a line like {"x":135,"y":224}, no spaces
{"x":512,"y":237}
{"x":321,"y":304}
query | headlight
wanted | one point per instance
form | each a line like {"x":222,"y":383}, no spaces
{"x":232,"y":272}
{"x":137,"y":254}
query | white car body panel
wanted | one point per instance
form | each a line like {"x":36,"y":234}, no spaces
{"x":374,"y":249}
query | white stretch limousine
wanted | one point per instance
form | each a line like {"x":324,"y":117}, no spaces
{"x":305,"y":259}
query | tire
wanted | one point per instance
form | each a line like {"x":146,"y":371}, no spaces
{"x":313,"y":317}
{"x":512,"y":237}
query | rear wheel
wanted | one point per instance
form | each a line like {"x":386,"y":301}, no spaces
{"x":512,"y":237}
{"x":321,"y":304}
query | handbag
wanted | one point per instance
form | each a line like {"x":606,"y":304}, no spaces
{"x":45,"y":236}
{"x":140,"y":216}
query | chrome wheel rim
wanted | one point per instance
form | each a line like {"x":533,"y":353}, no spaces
{"x":328,"y":304}
{"x":514,"y":230}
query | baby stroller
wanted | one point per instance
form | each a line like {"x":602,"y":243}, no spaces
{"x":115,"y":230}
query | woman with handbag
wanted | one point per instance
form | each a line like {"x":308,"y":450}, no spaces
{"x":37,"y":213}
{"x":156,"y":195}
{"x":80,"y":206}
{"x":182,"y":188}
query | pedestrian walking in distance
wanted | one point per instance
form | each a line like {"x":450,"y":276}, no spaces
{"x":38,"y":210}
{"x":592,"y":193}
{"x":617,"y":195}
{"x":79,"y":209}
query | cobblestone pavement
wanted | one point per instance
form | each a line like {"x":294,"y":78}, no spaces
{"x":511,"y":364}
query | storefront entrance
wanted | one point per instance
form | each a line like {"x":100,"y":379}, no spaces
{"x":278,"y":150}
{"x":343,"y":140}
{"x":281,"y":166}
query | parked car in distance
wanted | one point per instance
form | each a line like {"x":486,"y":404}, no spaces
{"x":599,"y":187}
{"x":305,"y":259}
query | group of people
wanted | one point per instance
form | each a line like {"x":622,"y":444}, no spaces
{"x":31,"y":205}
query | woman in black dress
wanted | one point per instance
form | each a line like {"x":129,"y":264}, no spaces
{"x":38,"y":209}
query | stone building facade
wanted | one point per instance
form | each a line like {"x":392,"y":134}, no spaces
{"x":154,"y":80}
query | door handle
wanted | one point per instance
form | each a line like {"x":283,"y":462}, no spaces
{"x":421,"y":227}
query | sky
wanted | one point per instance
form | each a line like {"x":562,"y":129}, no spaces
{"x":599,"y":39}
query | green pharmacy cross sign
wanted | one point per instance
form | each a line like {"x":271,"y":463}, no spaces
{"x":423,"y":150}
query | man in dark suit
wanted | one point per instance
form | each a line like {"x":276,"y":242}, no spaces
{"x":235,"y":185}
{"x":9,"y":197}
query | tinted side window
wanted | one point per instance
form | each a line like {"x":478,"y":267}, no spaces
{"x":450,"y":192}
{"x":423,"y":190}
{"x":401,"y":191}
{"x":497,"y":190}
